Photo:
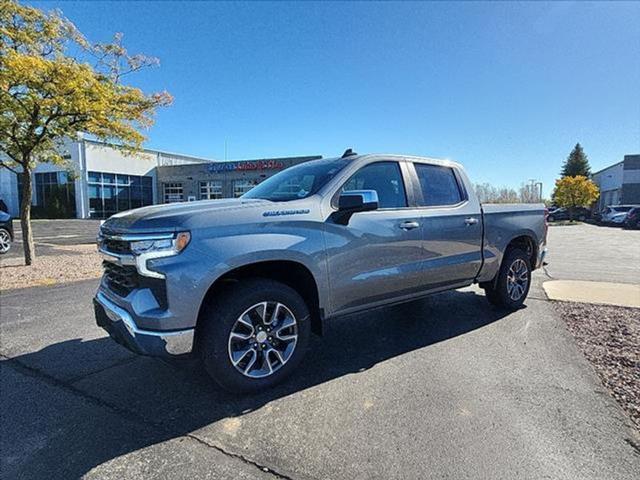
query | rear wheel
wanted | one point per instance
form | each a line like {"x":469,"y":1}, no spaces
{"x":5,"y":240}
{"x":510,"y":288}
{"x":253,"y":334}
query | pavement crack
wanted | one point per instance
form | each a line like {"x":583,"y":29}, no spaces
{"x":119,"y":363}
{"x":634,"y":445}
{"x":128,"y":415}
{"x":546,"y":272}
{"x":263,"y":468}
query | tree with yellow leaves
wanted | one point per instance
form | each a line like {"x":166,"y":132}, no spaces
{"x":572,"y":192}
{"x":48,"y":94}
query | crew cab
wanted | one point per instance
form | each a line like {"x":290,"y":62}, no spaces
{"x":242,"y":283}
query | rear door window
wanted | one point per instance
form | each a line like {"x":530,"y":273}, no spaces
{"x":438,"y":184}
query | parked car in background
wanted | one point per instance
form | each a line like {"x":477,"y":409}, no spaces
{"x":242,"y":282}
{"x":6,"y":232}
{"x":632,"y":219}
{"x":615,"y":214}
{"x":579,"y":213}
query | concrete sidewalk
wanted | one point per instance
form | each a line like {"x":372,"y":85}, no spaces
{"x":622,"y":294}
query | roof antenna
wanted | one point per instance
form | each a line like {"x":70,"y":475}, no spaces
{"x":348,"y":153}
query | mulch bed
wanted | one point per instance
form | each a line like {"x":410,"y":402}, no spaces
{"x":64,"y":263}
{"x":609,"y":337}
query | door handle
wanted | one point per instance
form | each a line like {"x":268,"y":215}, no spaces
{"x":409,"y":225}
{"x":471,"y":221}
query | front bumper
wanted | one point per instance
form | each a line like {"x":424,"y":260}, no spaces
{"x":122,"y":328}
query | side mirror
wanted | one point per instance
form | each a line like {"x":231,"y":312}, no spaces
{"x":353,"y":202}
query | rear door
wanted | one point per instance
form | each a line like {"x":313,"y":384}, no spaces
{"x":451,"y":225}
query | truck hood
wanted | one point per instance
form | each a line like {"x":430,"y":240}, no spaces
{"x":185,"y":216}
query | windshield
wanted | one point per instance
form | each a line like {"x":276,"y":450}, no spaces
{"x":622,"y":209}
{"x":299,"y":181}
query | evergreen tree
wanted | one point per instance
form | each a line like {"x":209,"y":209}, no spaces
{"x":576,"y":163}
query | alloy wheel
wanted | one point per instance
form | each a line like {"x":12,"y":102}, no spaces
{"x":5,"y":241}
{"x":263,"y":339}
{"x":517,"y":279}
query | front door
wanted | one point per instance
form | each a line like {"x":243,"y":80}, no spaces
{"x":379,"y":254}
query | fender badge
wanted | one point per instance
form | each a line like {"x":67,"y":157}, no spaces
{"x":278,"y":213}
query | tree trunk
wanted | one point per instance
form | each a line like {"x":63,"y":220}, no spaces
{"x":571,"y":214}
{"x":25,"y":217}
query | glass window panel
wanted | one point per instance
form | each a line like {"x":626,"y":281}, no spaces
{"x":439,"y":185}
{"x":95,"y":197}
{"x":147,"y":196}
{"x":40,"y":195}
{"x":108,"y":195}
{"x":122,"y":179}
{"x":135,"y":192}
{"x":383,"y":177}
{"x":122,"y":194}
{"x":210,"y":190}
{"x":108,"y":178}
{"x":95,"y":177}
{"x":173,"y":192}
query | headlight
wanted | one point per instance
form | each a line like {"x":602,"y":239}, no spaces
{"x":170,"y":246}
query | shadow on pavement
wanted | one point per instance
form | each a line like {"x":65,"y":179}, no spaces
{"x":159,"y":401}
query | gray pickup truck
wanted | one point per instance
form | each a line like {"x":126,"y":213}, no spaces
{"x":243,"y":282}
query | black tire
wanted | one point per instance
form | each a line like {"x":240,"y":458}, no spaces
{"x":551,"y":218}
{"x":497,"y":292}
{"x":219,"y":318}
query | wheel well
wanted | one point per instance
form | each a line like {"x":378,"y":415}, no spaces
{"x":293,"y":274}
{"x":527,"y":245}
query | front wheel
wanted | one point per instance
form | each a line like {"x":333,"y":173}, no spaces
{"x":5,"y":241}
{"x":253,"y":334}
{"x":510,"y":288}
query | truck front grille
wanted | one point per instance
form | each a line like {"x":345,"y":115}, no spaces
{"x":116,"y":246}
{"x":121,"y":279}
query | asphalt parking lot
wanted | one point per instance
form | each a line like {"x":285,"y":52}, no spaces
{"x":47,"y":233}
{"x":594,"y":253}
{"x":447,"y":387}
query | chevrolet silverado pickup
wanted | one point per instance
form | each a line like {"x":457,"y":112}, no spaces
{"x":241,"y":283}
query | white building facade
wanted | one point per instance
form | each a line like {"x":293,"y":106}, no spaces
{"x":96,"y":181}
{"x":620,"y":183}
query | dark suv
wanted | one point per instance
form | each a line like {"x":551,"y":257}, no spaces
{"x":579,"y":213}
{"x":633,"y":218}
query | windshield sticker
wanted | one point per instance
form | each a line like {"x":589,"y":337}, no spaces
{"x":278,"y":213}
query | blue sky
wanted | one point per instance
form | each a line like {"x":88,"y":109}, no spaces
{"x":505,"y":88}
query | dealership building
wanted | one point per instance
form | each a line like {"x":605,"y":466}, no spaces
{"x":206,"y":181}
{"x":619,"y":184}
{"x":98,"y":180}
